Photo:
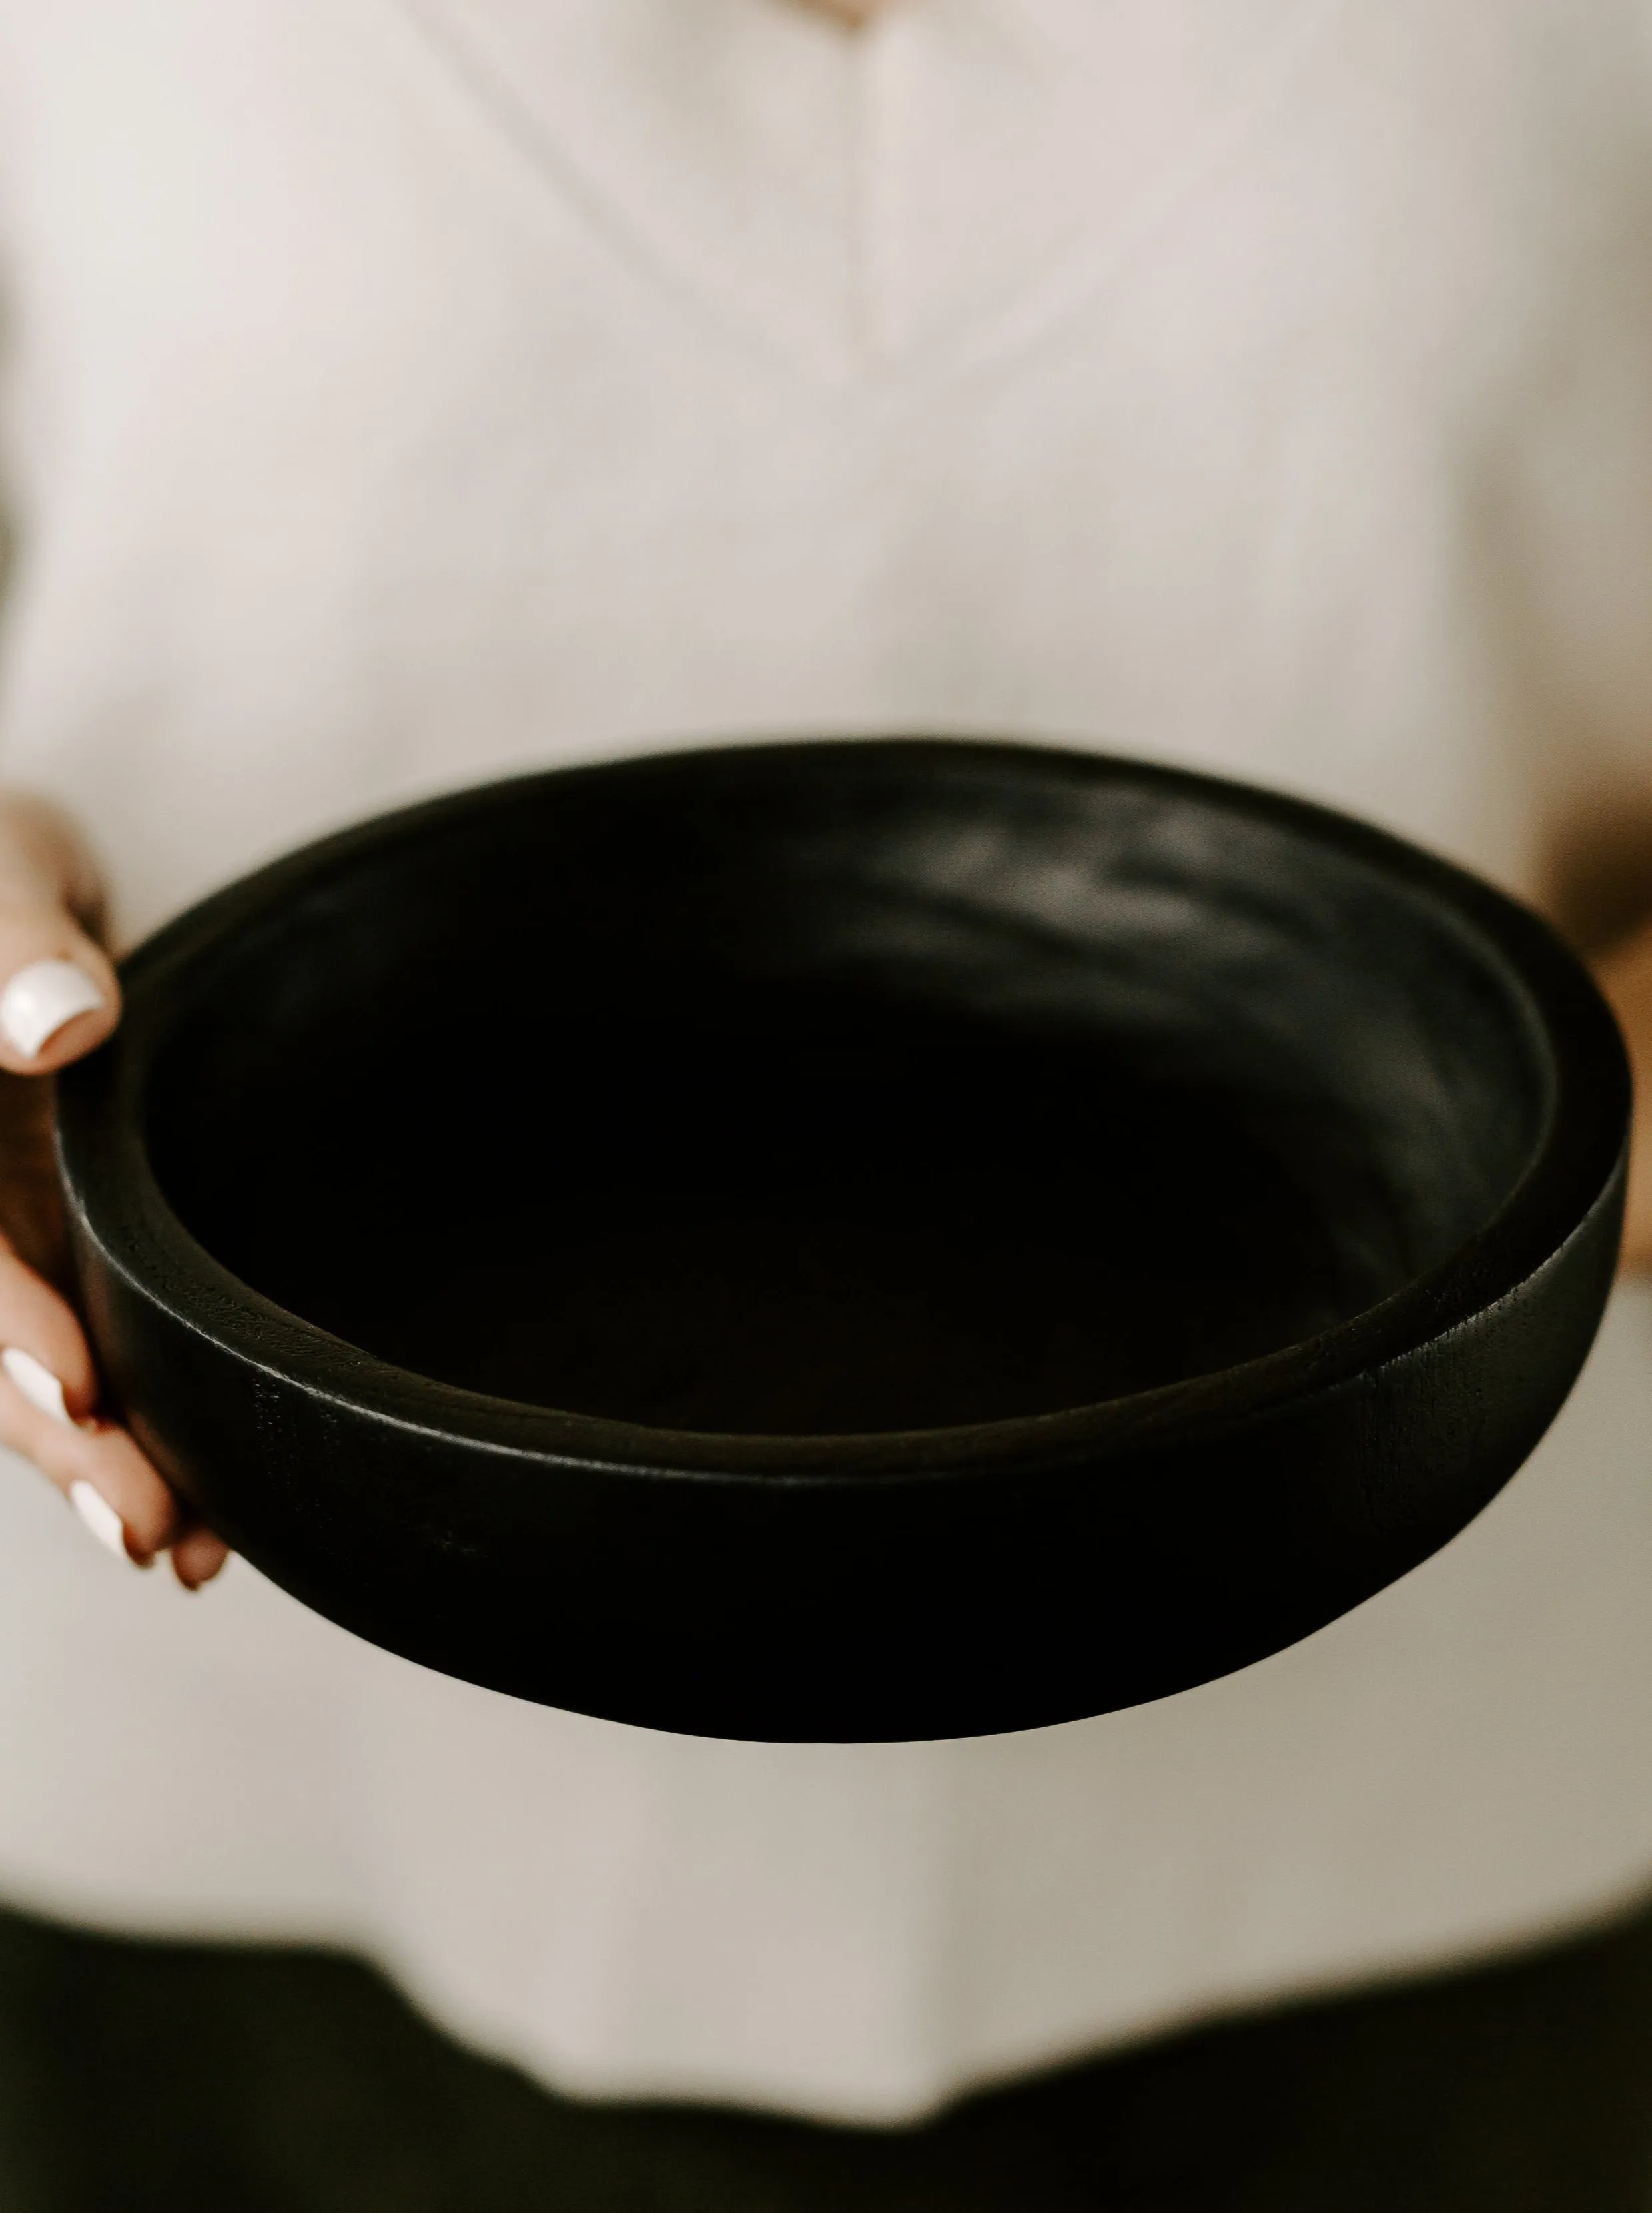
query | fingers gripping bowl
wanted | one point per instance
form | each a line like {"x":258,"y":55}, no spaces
{"x":921,"y":1238}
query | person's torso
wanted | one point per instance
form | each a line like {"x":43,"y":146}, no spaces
{"x":410,"y":389}
{"x":403,"y":390}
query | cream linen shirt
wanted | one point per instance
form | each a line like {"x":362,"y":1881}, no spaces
{"x":399,"y":391}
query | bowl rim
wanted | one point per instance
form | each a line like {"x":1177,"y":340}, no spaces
{"x":115,"y":1202}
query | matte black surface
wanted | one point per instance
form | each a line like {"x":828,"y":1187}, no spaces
{"x":926,"y":1238}
{"x":839,"y":1214}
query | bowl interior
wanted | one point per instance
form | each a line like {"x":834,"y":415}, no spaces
{"x":844,"y":1090}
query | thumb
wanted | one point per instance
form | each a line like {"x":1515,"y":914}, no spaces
{"x":58,"y":996}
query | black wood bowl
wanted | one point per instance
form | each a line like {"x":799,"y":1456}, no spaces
{"x":847,"y":1241}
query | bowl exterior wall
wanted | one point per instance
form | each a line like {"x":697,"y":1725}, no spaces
{"x":900,"y":1606}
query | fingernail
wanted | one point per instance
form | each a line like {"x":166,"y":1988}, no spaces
{"x":99,"y":1517}
{"x":40,"y":998}
{"x":36,"y":1382}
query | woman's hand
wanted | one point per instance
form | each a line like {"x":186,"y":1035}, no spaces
{"x":1625,"y":976}
{"x":58,"y":999}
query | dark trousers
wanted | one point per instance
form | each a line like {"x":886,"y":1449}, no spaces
{"x":173,"y":2077}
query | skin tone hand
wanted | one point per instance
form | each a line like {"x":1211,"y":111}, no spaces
{"x":58,"y":999}
{"x":1625,"y":976}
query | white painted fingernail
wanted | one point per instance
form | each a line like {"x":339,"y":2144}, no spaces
{"x":40,"y":998}
{"x":36,"y":1382}
{"x":99,"y":1517}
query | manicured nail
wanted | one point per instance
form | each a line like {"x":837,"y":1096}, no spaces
{"x":99,"y":1517}
{"x":40,"y":998}
{"x":36,"y":1382}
